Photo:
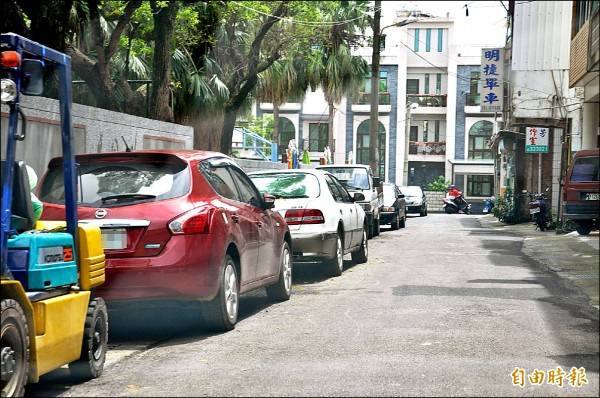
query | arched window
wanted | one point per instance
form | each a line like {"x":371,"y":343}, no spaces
{"x":362,"y":145}
{"x":286,"y":133}
{"x":479,"y":136}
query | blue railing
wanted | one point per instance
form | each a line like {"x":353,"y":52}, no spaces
{"x":261,"y":146}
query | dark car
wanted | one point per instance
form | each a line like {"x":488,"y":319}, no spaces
{"x":393,"y":212}
{"x":581,"y":191}
{"x":178,"y":225}
{"x":416,"y":201}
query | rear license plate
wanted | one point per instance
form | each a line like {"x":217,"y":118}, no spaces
{"x":114,"y":238}
{"x":592,"y":196}
{"x":534,"y":210}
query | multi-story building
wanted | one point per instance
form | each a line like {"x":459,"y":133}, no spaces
{"x":539,"y":108}
{"x":584,"y":70}
{"x":429,"y":122}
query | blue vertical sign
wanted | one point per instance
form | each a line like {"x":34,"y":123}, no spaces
{"x":492,"y":80}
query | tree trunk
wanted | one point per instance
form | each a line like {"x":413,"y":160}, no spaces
{"x":164,"y":18}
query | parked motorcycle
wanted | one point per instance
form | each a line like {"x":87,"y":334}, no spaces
{"x":488,"y":205}
{"x":538,"y":210}
{"x":450,"y":205}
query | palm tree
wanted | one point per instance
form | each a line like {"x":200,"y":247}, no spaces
{"x":283,"y":80}
{"x":334,"y":68}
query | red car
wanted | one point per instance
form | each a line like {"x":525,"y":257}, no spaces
{"x":178,"y":224}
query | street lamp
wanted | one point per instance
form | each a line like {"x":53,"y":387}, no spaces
{"x":374,"y":115}
{"x":411,"y":106}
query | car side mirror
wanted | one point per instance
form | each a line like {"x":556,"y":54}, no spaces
{"x":376,"y":182}
{"x":269,"y":200}
{"x":401,"y":196}
{"x":33,"y":70}
{"x":359,"y":196}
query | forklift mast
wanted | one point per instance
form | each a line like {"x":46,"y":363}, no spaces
{"x":22,"y":63}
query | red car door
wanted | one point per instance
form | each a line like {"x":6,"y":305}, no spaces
{"x":269,"y":242}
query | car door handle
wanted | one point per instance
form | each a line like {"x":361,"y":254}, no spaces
{"x":235,"y":218}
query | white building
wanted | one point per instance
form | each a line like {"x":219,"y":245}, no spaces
{"x":444,"y":135}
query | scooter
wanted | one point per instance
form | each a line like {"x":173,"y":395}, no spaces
{"x":450,"y":206}
{"x":538,"y":210}
{"x":488,"y":205}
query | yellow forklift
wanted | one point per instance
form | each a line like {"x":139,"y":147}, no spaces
{"x":50,"y":316}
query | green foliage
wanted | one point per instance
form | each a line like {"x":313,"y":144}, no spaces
{"x":438,"y":185}
{"x":505,"y":207}
{"x":262,"y":126}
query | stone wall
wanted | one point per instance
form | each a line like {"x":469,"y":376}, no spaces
{"x":434,"y":201}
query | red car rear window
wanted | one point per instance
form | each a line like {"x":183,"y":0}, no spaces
{"x":118,"y":184}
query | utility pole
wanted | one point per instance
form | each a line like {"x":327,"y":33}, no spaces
{"x":374,"y":119}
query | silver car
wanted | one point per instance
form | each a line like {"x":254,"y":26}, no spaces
{"x":416,"y":202}
{"x":324,"y":220}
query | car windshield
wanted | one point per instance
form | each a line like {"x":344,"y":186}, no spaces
{"x":350,"y":177}
{"x":411,"y":191}
{"x":287,"y":185}
{"x":104,"y":185}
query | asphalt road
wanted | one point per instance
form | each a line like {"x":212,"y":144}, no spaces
{"x":444,"y":307}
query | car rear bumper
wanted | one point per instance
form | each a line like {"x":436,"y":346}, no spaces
{"x":387,"y":217}
{"x":582,"y":211}
{"x":313,"y":246}
{"x":185,"y":269}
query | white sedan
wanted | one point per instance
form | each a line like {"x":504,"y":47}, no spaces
{"x":324,"y":220}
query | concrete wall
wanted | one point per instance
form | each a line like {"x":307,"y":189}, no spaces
{"x":94,"y":130}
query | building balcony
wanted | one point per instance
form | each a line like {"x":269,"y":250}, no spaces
{"x":428,"y":100}
{"x":362,"y":104}
{"x":427,"y":148}
{"x":473,"y":100}
{"x":364,"y":98}
{"x":585,"y":52}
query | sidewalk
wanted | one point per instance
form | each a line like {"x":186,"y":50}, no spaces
{"x":569,"y":255}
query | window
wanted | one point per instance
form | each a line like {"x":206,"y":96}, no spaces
{"x":437,"y":131}
{"x":480,"y":185}
{"x":428,"y":39}
{"x":382,"y":42}
{"x":414,"y":133}
{"x":426,"y":91}
{"x":384,"y":96}
{"x":412,"y":86}
{"x":317,"y":136}
{"x":362,"y":145}
{"x":473,"y":98}
{"x":383,"y":86}
{"x":286,"y":133}
{"x":425,"y":127}
{"x":479,"y":136}
{"x":440,"y":39}
{"x":438,"y":84}
{"x":416,"y":46}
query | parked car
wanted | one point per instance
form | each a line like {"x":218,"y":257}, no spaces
{"x":581,"y":191}
{"x":394,"y":206}
{"x":178,"y":224}
{"x":416,"y":201}
{"x":324,"y":220}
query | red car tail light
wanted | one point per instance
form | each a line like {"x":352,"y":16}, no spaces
{"x":304,"y":216}
{"x":196,"y":221}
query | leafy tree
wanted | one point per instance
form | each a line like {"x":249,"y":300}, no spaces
{"x":438,"y":185}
